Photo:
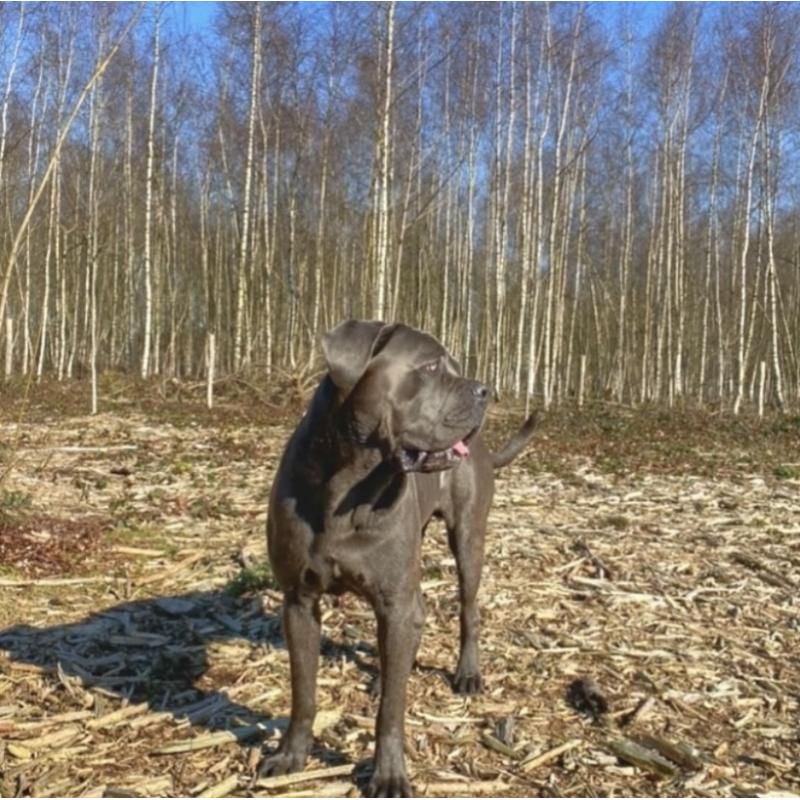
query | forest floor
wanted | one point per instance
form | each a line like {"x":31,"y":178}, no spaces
{"x":640,"y":609}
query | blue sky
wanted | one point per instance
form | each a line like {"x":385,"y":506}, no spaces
{"x":198,"y":15}
{"x":643,"y":15}
{"x":194,"y":15}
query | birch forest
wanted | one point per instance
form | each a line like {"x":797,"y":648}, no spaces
{"x":575,"y":198}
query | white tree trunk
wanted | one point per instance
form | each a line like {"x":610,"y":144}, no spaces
{"x":382,"y":239}
{"x":211,"y":358}
{"x":148,"y":202}
{"x":26,"y":219}
{"x":745,"y":246}
{"x":244,"y":234}
{"x":9,"y":362}
{"x":34,"y":146}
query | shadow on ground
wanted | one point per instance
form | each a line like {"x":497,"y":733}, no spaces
{"x":155,"y":651}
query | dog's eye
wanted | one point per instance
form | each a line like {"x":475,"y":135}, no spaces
{"x":432,"y":368}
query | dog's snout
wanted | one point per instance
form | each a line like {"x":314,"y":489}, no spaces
{"x":481,"y":391}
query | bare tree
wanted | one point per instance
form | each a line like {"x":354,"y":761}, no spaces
{"x":148,"y":203}
{"x":383,"y":159}
{"x":244,"y":240}
{"x":573,"y":208}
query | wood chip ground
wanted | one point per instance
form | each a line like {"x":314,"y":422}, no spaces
{"x":641,"y":634}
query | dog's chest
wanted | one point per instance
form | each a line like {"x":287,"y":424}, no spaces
{"x":336,"y":566}
{"x":360,"y":556}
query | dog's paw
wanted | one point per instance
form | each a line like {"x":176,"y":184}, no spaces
{"x":467,"y":682}
{"x":281,"y":763}
{"x":389,"y":784}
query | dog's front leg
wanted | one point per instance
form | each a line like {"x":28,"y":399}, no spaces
{"x":400,"y":623}
{"x":301,"y":624}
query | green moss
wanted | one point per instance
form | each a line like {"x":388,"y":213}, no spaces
{"x":618,"y":521}
{"x":212,"y":508}
{"x":786,"y":424}
{"x":136,"y":534}
{"x":7,"y":571}
{"x":786,"y":472}
{"x":11,"y":501}
{"x":252,"y":579}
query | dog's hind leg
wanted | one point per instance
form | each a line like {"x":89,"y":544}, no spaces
{"x":466,"y":541}
{"x":301,"y":623}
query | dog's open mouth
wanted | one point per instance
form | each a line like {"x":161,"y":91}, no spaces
{"x":412,"y":460}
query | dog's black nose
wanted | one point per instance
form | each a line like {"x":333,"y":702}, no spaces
{"x":481,"y":391}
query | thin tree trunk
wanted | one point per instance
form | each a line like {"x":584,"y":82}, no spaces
{"x":23,"y":226}
{"x":627,"y":245}
{"x":504,"y":185}
{"x":148,"y":202}
{"x":384,"y":156}
{"x":745,"y":246}
{"x":646,"y":386}
{"x":52,"y":232}
{"x":771,"y":280}
{"x":244,"y":239}
{"x":92,"y":244}
{"x":535,"y":354}
{"x":529,"y":179}
{"x":12,"y":68}
{"x":469,"y":260}
{"x":34,"y":146}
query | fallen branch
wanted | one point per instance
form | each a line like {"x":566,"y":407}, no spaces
{"x":10,"y":583}
{"x":764,"y":572}
{"x":302,"y":777}
{"x":495,"y":744}
{"x":223,"y":788}
{"x":641,"y":757}
{"x":529,"y":764}
{"x":335,"y":789}
{"x":683,"y":755}
{"x":467,"y":788}
{"x":118,"y":715}
{"x":212,"y":740}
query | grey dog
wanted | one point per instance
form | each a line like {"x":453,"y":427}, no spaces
{"x":391,"y":440}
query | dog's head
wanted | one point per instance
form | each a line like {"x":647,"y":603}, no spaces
{"x":402,"y":391}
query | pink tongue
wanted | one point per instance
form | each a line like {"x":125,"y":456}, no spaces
{"x":461,"y":449}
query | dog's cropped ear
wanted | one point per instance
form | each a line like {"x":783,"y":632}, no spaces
{"x":349,"y":347}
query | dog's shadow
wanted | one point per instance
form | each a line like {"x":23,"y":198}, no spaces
{"x":155,"y":651}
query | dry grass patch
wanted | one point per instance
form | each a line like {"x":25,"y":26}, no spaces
{"x":640,"y":625}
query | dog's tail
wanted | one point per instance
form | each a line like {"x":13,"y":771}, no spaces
{"x":516,"y":444}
